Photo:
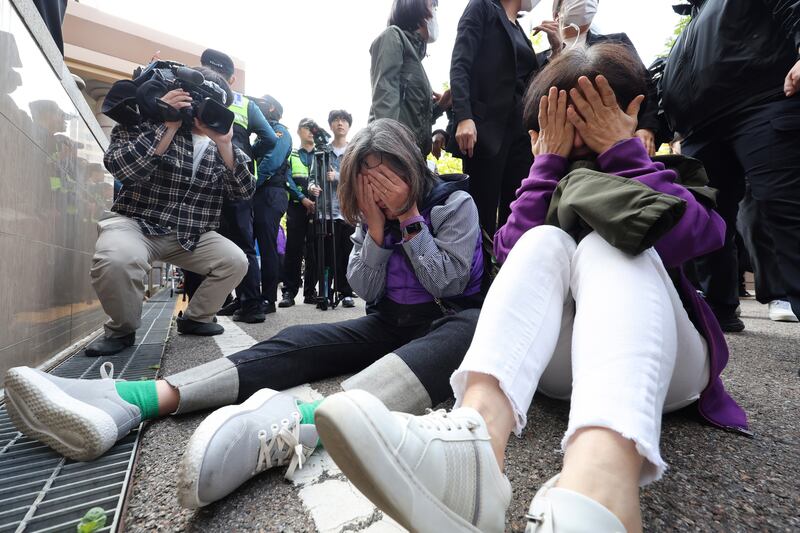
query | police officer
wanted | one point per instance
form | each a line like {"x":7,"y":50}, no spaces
{"x":299,"y":227}
{"x":271,"y":200}
{"x":237,"y":215}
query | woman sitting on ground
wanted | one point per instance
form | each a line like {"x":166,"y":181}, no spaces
{"x":416,"y":260}
{"x":558,"y":319}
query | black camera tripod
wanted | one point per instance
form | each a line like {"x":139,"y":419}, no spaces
{"x":325,"y":229}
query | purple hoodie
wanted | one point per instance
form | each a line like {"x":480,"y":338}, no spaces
{"x":698,"y":232}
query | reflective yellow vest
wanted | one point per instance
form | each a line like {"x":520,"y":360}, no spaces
{"x":299,"y":169}
{"x":239,"y":108}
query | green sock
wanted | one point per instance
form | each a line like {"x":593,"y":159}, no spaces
{"x":142,"y":394}
{"x":307,"y":411}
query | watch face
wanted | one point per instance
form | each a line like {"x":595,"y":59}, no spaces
{"x":416,"y":227}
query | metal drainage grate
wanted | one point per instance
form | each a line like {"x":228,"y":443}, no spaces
{"x":42,"y":491}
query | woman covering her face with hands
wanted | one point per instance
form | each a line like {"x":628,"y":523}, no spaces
{"x":557,"y":319}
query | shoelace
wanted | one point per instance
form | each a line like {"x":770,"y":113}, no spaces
{"x":441,"y":421}
{"x":283,"y":440}
{"x":107,"y":370}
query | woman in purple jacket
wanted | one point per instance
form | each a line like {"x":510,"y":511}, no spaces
{"x":557,"y":319}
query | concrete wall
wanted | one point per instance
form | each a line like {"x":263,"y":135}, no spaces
{"x":53,"y":188}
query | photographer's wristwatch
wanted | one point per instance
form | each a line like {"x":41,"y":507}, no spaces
{"x":411,"y":227}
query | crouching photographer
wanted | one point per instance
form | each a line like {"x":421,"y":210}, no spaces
{"x":173,"y":154}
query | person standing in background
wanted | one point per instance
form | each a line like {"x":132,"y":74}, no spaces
{"x":400,"y":87}
{"x":492,"y":62}
{"x":236,"y":222}
{"x":271,"y":201}
{"x":741,"y":117}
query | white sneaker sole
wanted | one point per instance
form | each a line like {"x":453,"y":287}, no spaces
{"x":366,"y":458}
{"x":44,"y":412}
{"x":192,"y":461}
{"x":782,"y":317}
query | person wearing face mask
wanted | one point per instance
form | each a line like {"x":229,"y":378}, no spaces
{"x":400,"y":87}
{"x":492,"y":63}
{"x":573,"y":20}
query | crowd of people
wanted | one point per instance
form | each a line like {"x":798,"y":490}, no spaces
{"x":518,"y":275}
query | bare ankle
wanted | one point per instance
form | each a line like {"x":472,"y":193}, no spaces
{"x":483,"y":393}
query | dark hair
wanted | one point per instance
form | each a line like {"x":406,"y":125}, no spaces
{"x":340,"y":113}
{"x":270,"y":101}
{"x":622,"y":69}
{"x":306,"y":123}
{"x":397,"y":146}
{"x":212,"y":75}
{"x":409,"y":14}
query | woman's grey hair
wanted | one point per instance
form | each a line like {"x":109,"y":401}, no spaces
{"x":397,"y":146}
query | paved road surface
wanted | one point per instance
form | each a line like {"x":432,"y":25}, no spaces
{"x":717,"y":481}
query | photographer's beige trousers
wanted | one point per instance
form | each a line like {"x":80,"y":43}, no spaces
{"x":122,"y":259}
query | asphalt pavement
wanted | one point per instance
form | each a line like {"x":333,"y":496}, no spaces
{"x":717,"y":481}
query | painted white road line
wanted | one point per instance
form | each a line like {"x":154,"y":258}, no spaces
{"x":335,"y":505}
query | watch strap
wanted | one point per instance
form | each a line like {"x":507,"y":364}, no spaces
{"x":412,"y":220}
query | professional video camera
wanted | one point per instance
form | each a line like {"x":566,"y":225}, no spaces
{"x":321,"y":137}
{"x":129,"y":101}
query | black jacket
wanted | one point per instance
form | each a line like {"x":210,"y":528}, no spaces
{"x":483,"y":76}
{"x":733,"y":54}
{"x":648,"y":113}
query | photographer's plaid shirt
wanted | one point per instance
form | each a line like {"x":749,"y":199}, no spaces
{"x":159,"y":191}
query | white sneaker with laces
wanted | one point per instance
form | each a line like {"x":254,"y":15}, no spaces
{"x":431,"y":473}
{"x":781,"y":311}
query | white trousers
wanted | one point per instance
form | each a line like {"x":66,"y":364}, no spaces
{"x":591,"y":324}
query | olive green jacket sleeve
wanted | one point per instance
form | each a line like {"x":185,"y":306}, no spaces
{"x":387,"y":63}
{"x":627,"y":214}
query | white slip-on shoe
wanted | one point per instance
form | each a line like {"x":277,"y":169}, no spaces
{"x":431,"y":473}
{"x":781,"y":311}
{"x":79,"y":418}
{"x":556,"y":510}
{"x":238,"y":442}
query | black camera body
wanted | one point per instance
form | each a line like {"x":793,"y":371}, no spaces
{"x":321,"y":137}
{"x":129,"y":101}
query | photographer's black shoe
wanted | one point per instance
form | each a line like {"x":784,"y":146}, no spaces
{"x":286,"y":301}
{"x":250,"y":316}
{"x":268,"y":308}
{"x":230,"y":309}
{"x":347,"y":301}
{"x":110,"y":345}
{"x":187,"y":326}
{"x":310,"y":299}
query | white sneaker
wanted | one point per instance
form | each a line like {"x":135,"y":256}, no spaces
{"x":556,"y":510}
{"x":781,"y":311}
{"x":429,"y":473}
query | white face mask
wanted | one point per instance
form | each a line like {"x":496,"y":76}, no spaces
{"x":577,"y":12}
{"x":433,"y":28}
{"x":528,"y":5}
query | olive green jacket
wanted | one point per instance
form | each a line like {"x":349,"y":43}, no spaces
{"x":628,"y":214}
{"x":400,"y":86}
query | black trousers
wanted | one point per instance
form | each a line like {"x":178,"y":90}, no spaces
{"x":269,"y":205}
{"x":299,"y":245}
{"x":432,"y":348}
{"x":762,"y":143}
{"x":759,"y":246}
{"x":493,"y":185}
{"x":236,"y":224}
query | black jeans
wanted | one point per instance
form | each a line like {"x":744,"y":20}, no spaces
{"x":432,"y":347}
{"x":299,"y":244}
{"x":269,"y":205}
{"x":236,"y":224}
{"x":762,"y":143}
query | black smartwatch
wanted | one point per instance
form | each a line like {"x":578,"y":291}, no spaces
{"x":411,"y":227}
